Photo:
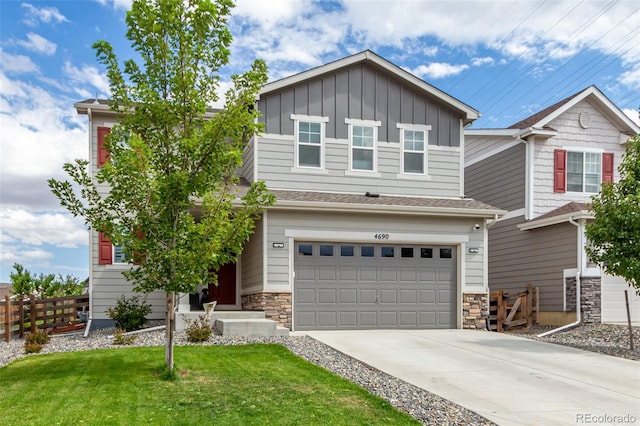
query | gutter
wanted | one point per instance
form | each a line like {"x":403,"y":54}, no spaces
{"x":578,"y":290}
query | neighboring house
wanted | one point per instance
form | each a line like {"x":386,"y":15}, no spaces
{"x":5,"y":290}
{"x":370,"y":228}
{"x":544,"y":170}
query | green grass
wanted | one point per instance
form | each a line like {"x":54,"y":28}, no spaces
{"x":222,"y":385}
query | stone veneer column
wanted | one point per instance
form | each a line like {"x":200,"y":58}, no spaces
{"x":590,"y":298}
{"x":475,"y":310}
{"x":276,"y":306}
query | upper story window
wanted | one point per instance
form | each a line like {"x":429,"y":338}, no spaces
{"x":582,"y":171}
{"x":309,"y":140}
{"x":363,"y":135}
{"x":119,"y":255}
{"x":414,"y":141}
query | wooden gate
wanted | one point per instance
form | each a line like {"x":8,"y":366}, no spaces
{"x":513,"y":310}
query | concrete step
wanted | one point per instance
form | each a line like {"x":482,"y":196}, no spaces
{"x":247,"y":327}
{"x":215,"y":315}
{"x":282,"y":331}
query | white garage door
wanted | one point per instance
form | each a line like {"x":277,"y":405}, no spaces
{"x":613,"y":305}
{"x":368,"y":286}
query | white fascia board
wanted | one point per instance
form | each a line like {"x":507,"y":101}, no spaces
{"x":508,"y":133}
{"x":534,"y":131}
{"x":367,"y":236}
{"x":368,"y":208}
{"x":534,"y":224}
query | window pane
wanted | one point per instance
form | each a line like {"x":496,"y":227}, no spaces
{"x":119,"y":256}
{"x":326,"y":250}
{"x":445,"y":253}
{"x":574,"y":182}
{"x":387,"y":252}
{"x":314,"y":127}
{"x":362,"y":159}
{"x":574,"y":162}
{"x":367,"y":251}
{"x":304,"y":127}
{"x":346,"y":251}
{"x":592,"y":183}
{"x":426,"y":253}
{"x":413,"y":163}
{"x":305,"y":250}
{"x":362,"y":136}
{"x":309,"y":156}
{"x":406,"y":252}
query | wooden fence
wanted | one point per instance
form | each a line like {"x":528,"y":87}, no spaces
{"x":52,"y":315}
{"x":512,"y":310}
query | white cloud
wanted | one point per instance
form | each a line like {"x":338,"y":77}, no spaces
{"x":88,"y":75}
{"x":34,"y":15}
{"x":16,"y":63}
{"x":633,"y":114}
{"x":117,"y":4}
{"x":38,"y":44}
{"x":38,"y":228}
{"x":267,"y":14}
{"x":438,"y":70}
{"x":486,"y":60}
{"x":631,"y":78}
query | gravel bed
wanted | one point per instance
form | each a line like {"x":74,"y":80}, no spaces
{"x":607,"y":339}
{"x":419,"y":403}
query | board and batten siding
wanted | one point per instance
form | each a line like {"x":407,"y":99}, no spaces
{"x":601,"y":133}
{"x":280,"y":221}
{"x":538,"y":256}
{"x":499,"y":180}
{"x":363,"y":92}
{"x":276,"y":160}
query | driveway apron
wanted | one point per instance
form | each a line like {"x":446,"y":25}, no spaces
{"x":509,"y":380}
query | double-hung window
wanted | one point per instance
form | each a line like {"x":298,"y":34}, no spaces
{"x":309,"y":132}
{"x":414,"y":142}
{"x":363,"y":135}
{"x":582,"y":170}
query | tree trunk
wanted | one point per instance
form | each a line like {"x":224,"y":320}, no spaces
{"x":168,"y":357}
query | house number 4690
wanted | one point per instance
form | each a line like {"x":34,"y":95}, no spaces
{"x":381,"y":236}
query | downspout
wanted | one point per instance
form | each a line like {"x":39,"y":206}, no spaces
{"x":90,"y":319}
{"x":493,"y":221}
{"x":578,"y":291}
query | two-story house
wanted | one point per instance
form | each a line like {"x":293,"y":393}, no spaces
{"x":544,"y":170}
{"x":370,"y":229}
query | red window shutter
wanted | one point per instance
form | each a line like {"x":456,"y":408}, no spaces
{"x":560,"y":170}
{"x":105,"y":254}
{"x":607,"y":167}
{"x":103,"y":154}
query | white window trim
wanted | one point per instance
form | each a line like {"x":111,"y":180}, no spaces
{"x":425,"y":128}
{"x":582,"y":150}
{"x":363,"y":123}
{"x":113,"y":256}
{"x":297,"y":118}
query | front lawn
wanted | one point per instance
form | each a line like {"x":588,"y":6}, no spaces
{"x":223,"y":385}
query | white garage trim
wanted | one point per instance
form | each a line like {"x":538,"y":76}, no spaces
{"x":369,"y":237}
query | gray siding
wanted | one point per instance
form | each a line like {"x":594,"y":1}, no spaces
{"x":538,"y":256}
{"x":361,"y":92}
{"x":252,"y":261}
{"x":499,"y":180}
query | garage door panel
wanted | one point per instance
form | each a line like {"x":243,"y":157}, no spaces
{"x":327,"y":319}
{"x":368,"y":296}
{"x":368,"y":318}
{"x":348,"y":296}
{"x":408,"y":296}
{"x":408,"y":275}
{"x":326,"y":295}
{"x":356,"y":291}
{"x":304,"y":296}
{"x":326,"y":273}
{"x":388,"y":296}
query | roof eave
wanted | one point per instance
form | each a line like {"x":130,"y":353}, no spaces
{"x":535,"y":224}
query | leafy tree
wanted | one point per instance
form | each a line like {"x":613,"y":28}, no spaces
{"x":614,"y":235}
{"x":173,"y":202}
{"x":24,"y":283}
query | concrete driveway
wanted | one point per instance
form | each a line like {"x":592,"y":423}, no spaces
{"x":509,"y":380}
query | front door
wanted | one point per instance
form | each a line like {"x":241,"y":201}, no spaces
{"x":225,"y":292}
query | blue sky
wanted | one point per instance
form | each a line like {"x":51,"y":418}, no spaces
{"x":506,"y":59}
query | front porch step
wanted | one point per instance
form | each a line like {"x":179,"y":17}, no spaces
{"x":249,"y":327}
{"x":216,"y":315}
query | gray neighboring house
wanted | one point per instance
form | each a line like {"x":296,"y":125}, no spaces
{"x":370,"y":228}
{"x":543,"y":170}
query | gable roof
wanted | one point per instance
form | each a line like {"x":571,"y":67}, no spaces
{"x":541,"y":119}
{"x":564,"y":213}
{"x":367,"y":56}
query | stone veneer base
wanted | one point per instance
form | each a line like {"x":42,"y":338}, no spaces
{"x":475,"y":310}
{"x":276,"y":306}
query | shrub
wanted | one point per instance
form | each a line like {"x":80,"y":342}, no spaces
{"x":35,"y":342}
{"x":198,"y":330}
{"x":130,"y":313}
{"x":120,"y":338}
